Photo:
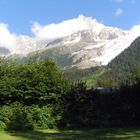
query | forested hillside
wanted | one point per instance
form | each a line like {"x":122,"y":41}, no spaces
{"x":125,"y":63}
{"x":90,"y":76}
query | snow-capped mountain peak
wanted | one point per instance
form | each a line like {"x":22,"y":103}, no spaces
{"x":90,"y":23}
{"x":66,"y":28}
{"x":87,"y":41}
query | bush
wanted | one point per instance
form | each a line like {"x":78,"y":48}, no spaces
{"x":43,"y":117}
{"x":2,"y":125}
{"x":22,"y":120}
{"x":18,"y":117}
{"x":6,"y":116}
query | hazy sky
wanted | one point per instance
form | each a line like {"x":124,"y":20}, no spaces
{"x":19,"y":15}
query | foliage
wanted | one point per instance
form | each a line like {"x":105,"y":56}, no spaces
{"x":108,"y":82}
{"x":32,"y":83}
{"x":91,"y":76}
{"x":19,"y":117}
{"x":22,"y":120}
{"x":125,"y":62}
{"x":2,"y":125}
{"x":29,"y":94}
{"x":37,"y":95}
{"x":115,"y":107}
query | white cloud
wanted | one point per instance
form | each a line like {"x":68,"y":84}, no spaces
{"x":65,"y":28}
{"x":119,"y":12}
{"x":53,"y":31}
{"x":7,"y":39}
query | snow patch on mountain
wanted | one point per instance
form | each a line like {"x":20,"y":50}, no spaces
{"x":116,"y":46}
{"x":90,"y":43}
{"x":95,"y":46}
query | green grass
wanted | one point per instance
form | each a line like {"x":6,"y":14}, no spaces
{"x":8,"y":136}
{"x":92,"y":78}
{"x":92,"y":134}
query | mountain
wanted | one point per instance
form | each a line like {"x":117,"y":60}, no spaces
{"x":122,"y":65}
{"x":81,"y":42}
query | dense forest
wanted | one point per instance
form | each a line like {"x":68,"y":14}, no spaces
{"x":125,"y":62}
{"x":38,"y":95}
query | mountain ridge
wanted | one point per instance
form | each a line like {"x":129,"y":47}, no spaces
{"x":126,"y":61}
{"x":83,"y":40}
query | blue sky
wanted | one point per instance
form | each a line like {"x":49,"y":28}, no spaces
{"x":20,"y":15}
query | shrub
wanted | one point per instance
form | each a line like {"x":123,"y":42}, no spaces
{"x":2,"y":125}
{"x":22,"y":120}
{"x":31,"y":117}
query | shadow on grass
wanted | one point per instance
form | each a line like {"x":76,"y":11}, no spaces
{"x":93,"y":134}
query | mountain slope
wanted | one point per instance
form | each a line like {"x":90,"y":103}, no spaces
{"x":125,"y":62}
{"x":80,"y":42}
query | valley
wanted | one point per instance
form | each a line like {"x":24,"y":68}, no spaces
{"x":78,"y":78}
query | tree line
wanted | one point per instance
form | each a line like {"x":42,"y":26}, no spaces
{"x":38,"y":95}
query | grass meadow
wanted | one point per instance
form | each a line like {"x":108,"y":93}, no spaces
{"x":92,"y":134}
